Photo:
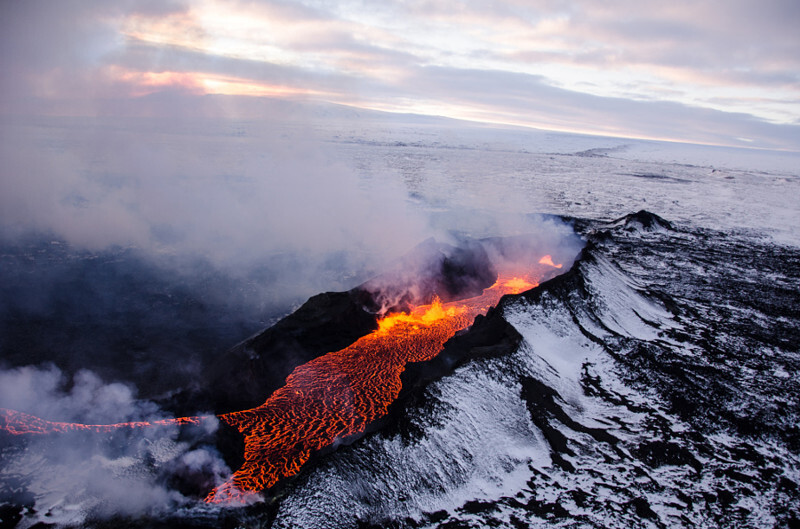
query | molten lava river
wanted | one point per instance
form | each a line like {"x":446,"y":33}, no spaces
{"x":327,"y":399}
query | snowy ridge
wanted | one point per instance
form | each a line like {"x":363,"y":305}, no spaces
{"x":610,"y":413}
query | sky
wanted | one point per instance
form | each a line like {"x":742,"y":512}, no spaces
{"x":716,"y":72}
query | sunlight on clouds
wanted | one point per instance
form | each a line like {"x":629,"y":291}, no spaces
{"x":216,"y":31}
{"x":593,"y":55}
{"x":514,"y":61}
{"x":492,"y":115}
{"x":247,"y":34}
{"x":145,"y":83}
{"x":264,"y":33}
{"x":177,"y":29}
{"x":432,"y":40}
{"x":243,"y":87}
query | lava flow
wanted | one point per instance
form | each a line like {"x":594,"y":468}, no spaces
{"x":18,"y":423}
{"x":328,"y":399}
{"x":337,"y":395}
{"x":548,"y":260}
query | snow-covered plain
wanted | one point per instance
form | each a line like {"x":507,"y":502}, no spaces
{"x":517,"y":171}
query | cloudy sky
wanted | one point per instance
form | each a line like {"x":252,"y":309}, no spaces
{"x":706,"y":71}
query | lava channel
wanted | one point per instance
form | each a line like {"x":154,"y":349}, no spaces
{"x":19,"y":423}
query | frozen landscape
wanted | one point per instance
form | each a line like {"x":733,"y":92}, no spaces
{"x":653,"y":384}
{"x":412,"y":264}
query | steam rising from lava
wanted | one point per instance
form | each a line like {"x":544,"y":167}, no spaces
{"x":241,"y":197}
{"x":48,"y":393}
{"x":336,"y":396}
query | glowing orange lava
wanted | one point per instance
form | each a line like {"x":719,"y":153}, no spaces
{"x":18,"y":423}
{"x":548,"y":260}
{"x":328,"y":399}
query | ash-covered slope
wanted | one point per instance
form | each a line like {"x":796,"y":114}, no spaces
{"x":653,"y":385}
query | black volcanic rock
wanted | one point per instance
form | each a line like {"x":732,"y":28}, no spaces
{"x":681,"y":413}
{"x":643,"y":220}
{"x":245,"y":375}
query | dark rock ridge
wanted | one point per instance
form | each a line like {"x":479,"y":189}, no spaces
{"x":243,"y":377}
{"x":642,"y":220}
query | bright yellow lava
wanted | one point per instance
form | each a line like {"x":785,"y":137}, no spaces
{"x":548,"y":260}
{"x":424,"y":315}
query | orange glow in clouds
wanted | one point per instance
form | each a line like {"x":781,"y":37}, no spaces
{"x":145,"y":83}
{"x":242,"y":87}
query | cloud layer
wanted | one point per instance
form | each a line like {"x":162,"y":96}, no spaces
{"x":711,"y":72}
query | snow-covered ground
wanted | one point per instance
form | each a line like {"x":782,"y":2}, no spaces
{"x":494,"y":172}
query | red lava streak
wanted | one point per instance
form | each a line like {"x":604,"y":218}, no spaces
{"x":18,"y":423}
{"x":327,"y":399}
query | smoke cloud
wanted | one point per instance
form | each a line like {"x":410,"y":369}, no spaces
{"x":47,"y":393}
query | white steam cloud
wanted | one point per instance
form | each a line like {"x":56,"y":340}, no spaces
{"x":237,"y":194}
{"x":47,"y":393}
{"x":68,"y":478}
